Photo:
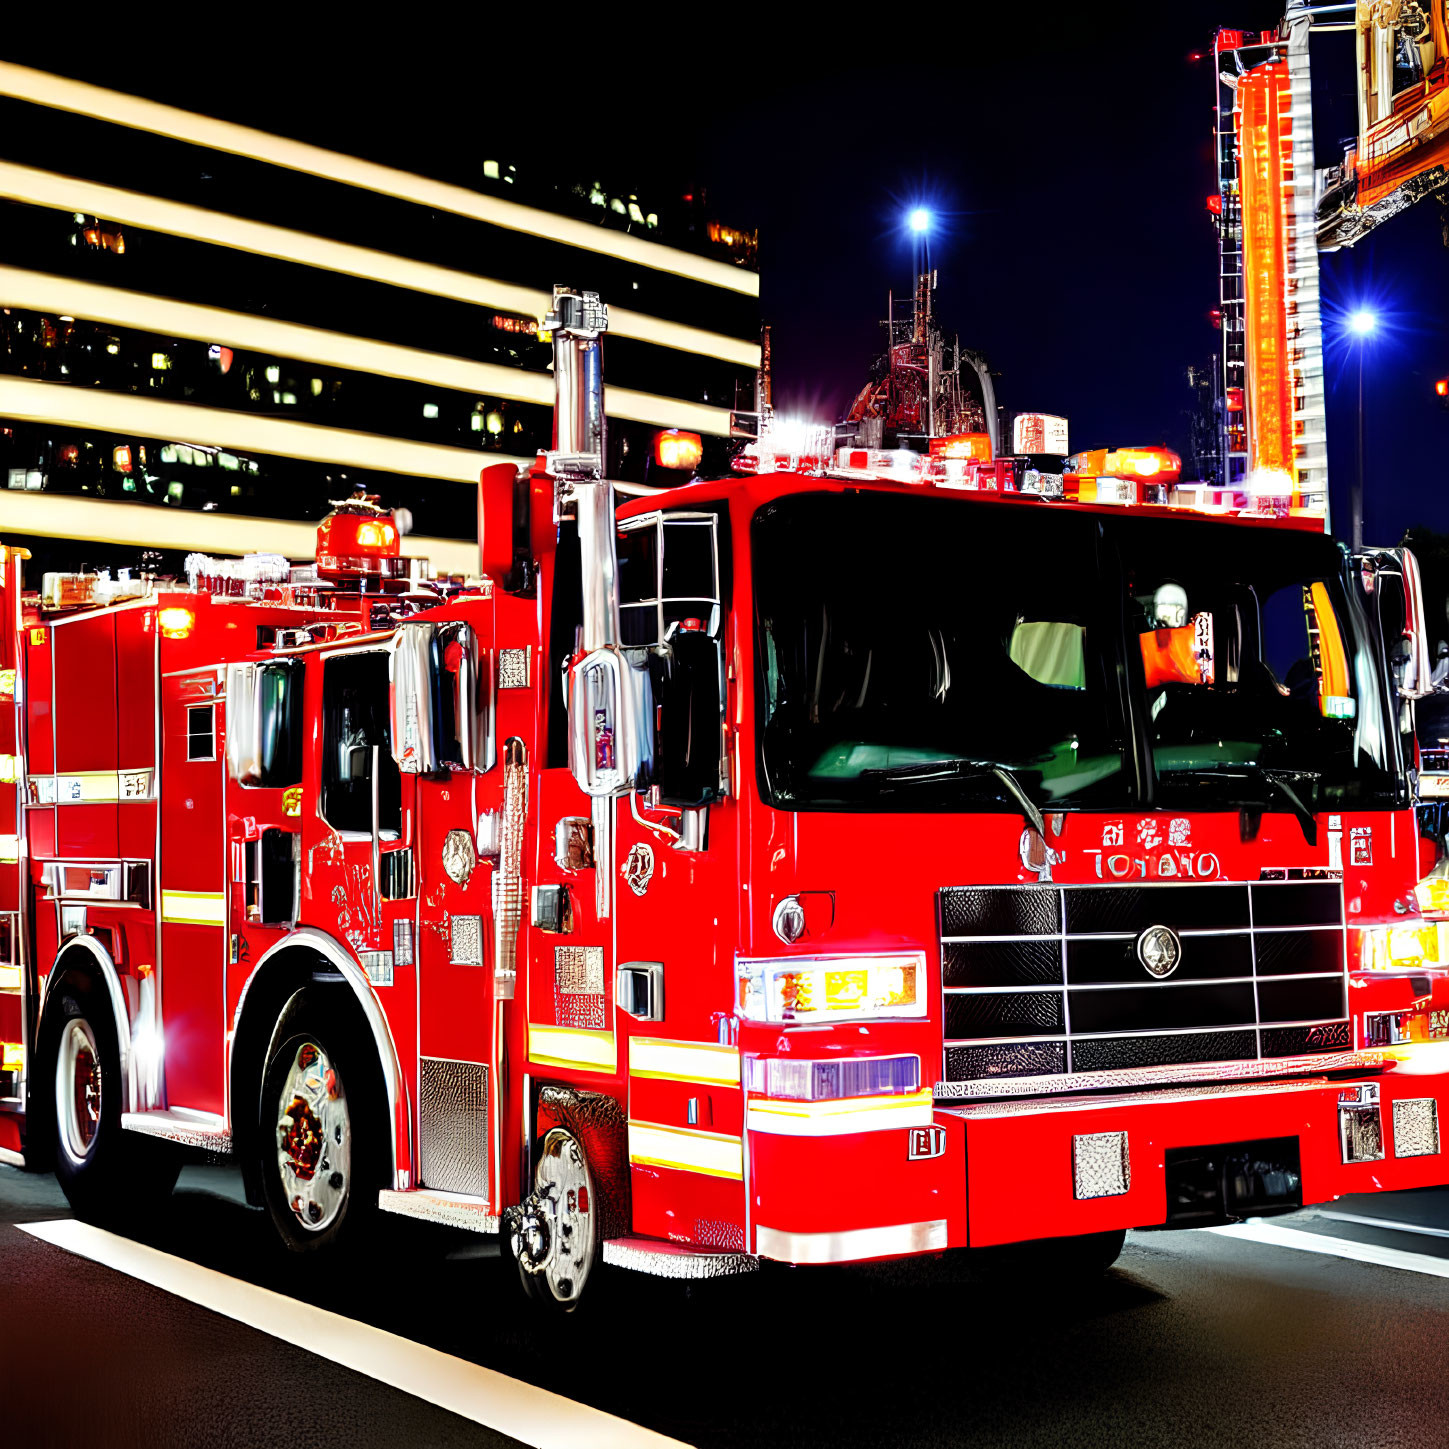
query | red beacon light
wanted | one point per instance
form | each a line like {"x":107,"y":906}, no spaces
{"x":359,"y":541}
{"x":1442,"y":387}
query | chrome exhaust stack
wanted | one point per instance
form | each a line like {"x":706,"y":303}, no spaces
{"x":609,"y":699}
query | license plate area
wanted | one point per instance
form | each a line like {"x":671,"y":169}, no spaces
{"x":1228,"y":1181}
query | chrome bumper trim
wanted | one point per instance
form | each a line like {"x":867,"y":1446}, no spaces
{"x":853,"y":1245}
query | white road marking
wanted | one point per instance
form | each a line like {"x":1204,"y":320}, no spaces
{"x":1390,"y":1223}
{"x":1256,"y":1230}
{"x":507,"y":1405}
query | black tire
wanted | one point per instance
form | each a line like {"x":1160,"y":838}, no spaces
{"x":320,"y":1154}
{"x":107,"y":1174}
{"x":1059,"y":1260}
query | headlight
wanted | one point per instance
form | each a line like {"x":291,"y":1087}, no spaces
{"x":832,"y":988}
{"x":1432,"y":893}
{"x":1388,"y":947}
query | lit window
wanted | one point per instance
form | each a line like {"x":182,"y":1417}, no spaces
{"x":597,"y":197}
{"x":476,"y":422}
{"x":617,"y":205}
{"x":316,"y":387}
{"x":495,"y":423}
{"x":276,"y":397}
{"x":490,"y":170}
{"x":430,"y":410}
{"x":634,"y":213}
{"x":227,"y":461}
{"x":652,"y":219}
{"x":121,"y":459}
{"x":113,"y":348}
{"x":128,"y":485}
{"x":289,"y":399}
{"x":236,"y":490}
{"x":160,"y":362}
{"x":274,"y":374}
{"x":175,"y":490}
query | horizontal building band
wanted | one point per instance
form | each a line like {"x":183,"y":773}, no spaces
{"x":57,"y":403}
{"x":92,"y":520}
{"x":42,"y":188}
{"x":46,"y":292}
{"x":131,"y":111}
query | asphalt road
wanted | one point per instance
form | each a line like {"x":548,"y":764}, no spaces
{"x":1193,"y":1339}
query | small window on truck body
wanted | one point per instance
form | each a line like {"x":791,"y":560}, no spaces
{"x":201,"y":732}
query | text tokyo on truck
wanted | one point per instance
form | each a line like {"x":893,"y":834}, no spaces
{"x":807,"y":865}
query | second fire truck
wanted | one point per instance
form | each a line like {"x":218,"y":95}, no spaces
{"x":817,"y":865}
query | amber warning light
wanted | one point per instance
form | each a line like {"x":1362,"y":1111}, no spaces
{"x":1442,"y":387}
{"x":673,"y":449}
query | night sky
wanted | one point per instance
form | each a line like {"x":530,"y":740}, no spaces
{"x":1068,"y":161}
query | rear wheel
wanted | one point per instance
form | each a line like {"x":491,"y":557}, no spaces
{"x":553,"y":1234}
{"x":318,"y":1127}
{"x":105,"y":1172}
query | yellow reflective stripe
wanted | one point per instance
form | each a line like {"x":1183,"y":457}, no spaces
{"x":683,"y":1061}
{"x":195,"y":908}
{"x":12,"y":1056}
{"x":194,"y":223}
{"x":652,"y":1144}
{"x":836,"y":1119}
{"x":568,"y":1046}
{"x":122,"y":109}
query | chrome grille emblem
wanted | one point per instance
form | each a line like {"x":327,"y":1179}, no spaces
{"x":1159,"y":950}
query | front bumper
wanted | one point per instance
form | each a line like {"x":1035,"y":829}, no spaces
{"x":1010,"y":1171}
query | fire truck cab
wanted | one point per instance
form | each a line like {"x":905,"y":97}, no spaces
{"x":817,"y":865}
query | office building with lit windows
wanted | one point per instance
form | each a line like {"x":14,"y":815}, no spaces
{"x":207,"y":331}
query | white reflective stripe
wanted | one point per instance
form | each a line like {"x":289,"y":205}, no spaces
{"x":123,"y":109}
{"x":853,"y":1245}
{"x":68,"y":193}
{"x":837,"y":1118}
{"x":683,"y":1061}
{"x":196,"y":908}
{"x":567,"y":1046}
{"x":1255,"y":1230}
{"x":43,"y":292}
{"x":52,"y":515}
{"x":510,"y":1407}
{"x":9,"y":849}
{"x":85,"y":787}
{"x":652,"y":1144}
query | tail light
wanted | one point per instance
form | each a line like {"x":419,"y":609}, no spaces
{"x":832,"y":988}
{"x":673,"y":449}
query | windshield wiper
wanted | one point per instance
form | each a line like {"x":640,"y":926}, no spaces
{"x":1278,"y":780}
{"x":927,"y":770}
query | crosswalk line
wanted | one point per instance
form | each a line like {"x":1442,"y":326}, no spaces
{"x":1256,"y":1230}
{"x":509,"y":1406}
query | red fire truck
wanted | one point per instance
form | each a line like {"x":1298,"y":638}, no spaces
{"x":817,"y":866}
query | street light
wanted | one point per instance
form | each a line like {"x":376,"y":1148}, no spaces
{"x":1361,"y":324}
{"x":920,"y":220}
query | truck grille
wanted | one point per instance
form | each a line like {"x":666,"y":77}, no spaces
{"x":1042,"y":981}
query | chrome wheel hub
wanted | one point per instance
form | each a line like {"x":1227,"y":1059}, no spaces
{"x":77,"y":1089}
{"x":314,"y":1139}
{"x":552,"y":1234}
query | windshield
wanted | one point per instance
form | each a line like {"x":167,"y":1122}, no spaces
{"x":921,"y":653}
{"x":1258,"y":668}
{"x":900,"y":637}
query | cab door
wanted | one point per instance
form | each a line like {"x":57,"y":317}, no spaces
{"x":193,"y":875}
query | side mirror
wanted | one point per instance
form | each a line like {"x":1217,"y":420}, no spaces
{"x":410,"y":699}
{"x":464,"y":698}
{"x":1418,"y":669}
{"x":610,"y":708}
{"x":264,"y":723}
{"x":689,"y":741}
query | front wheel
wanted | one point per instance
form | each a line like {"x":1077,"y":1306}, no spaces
{"x":106,"y":1173}
{"x":553,"y":1234}
{"x":316,"y":1127}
